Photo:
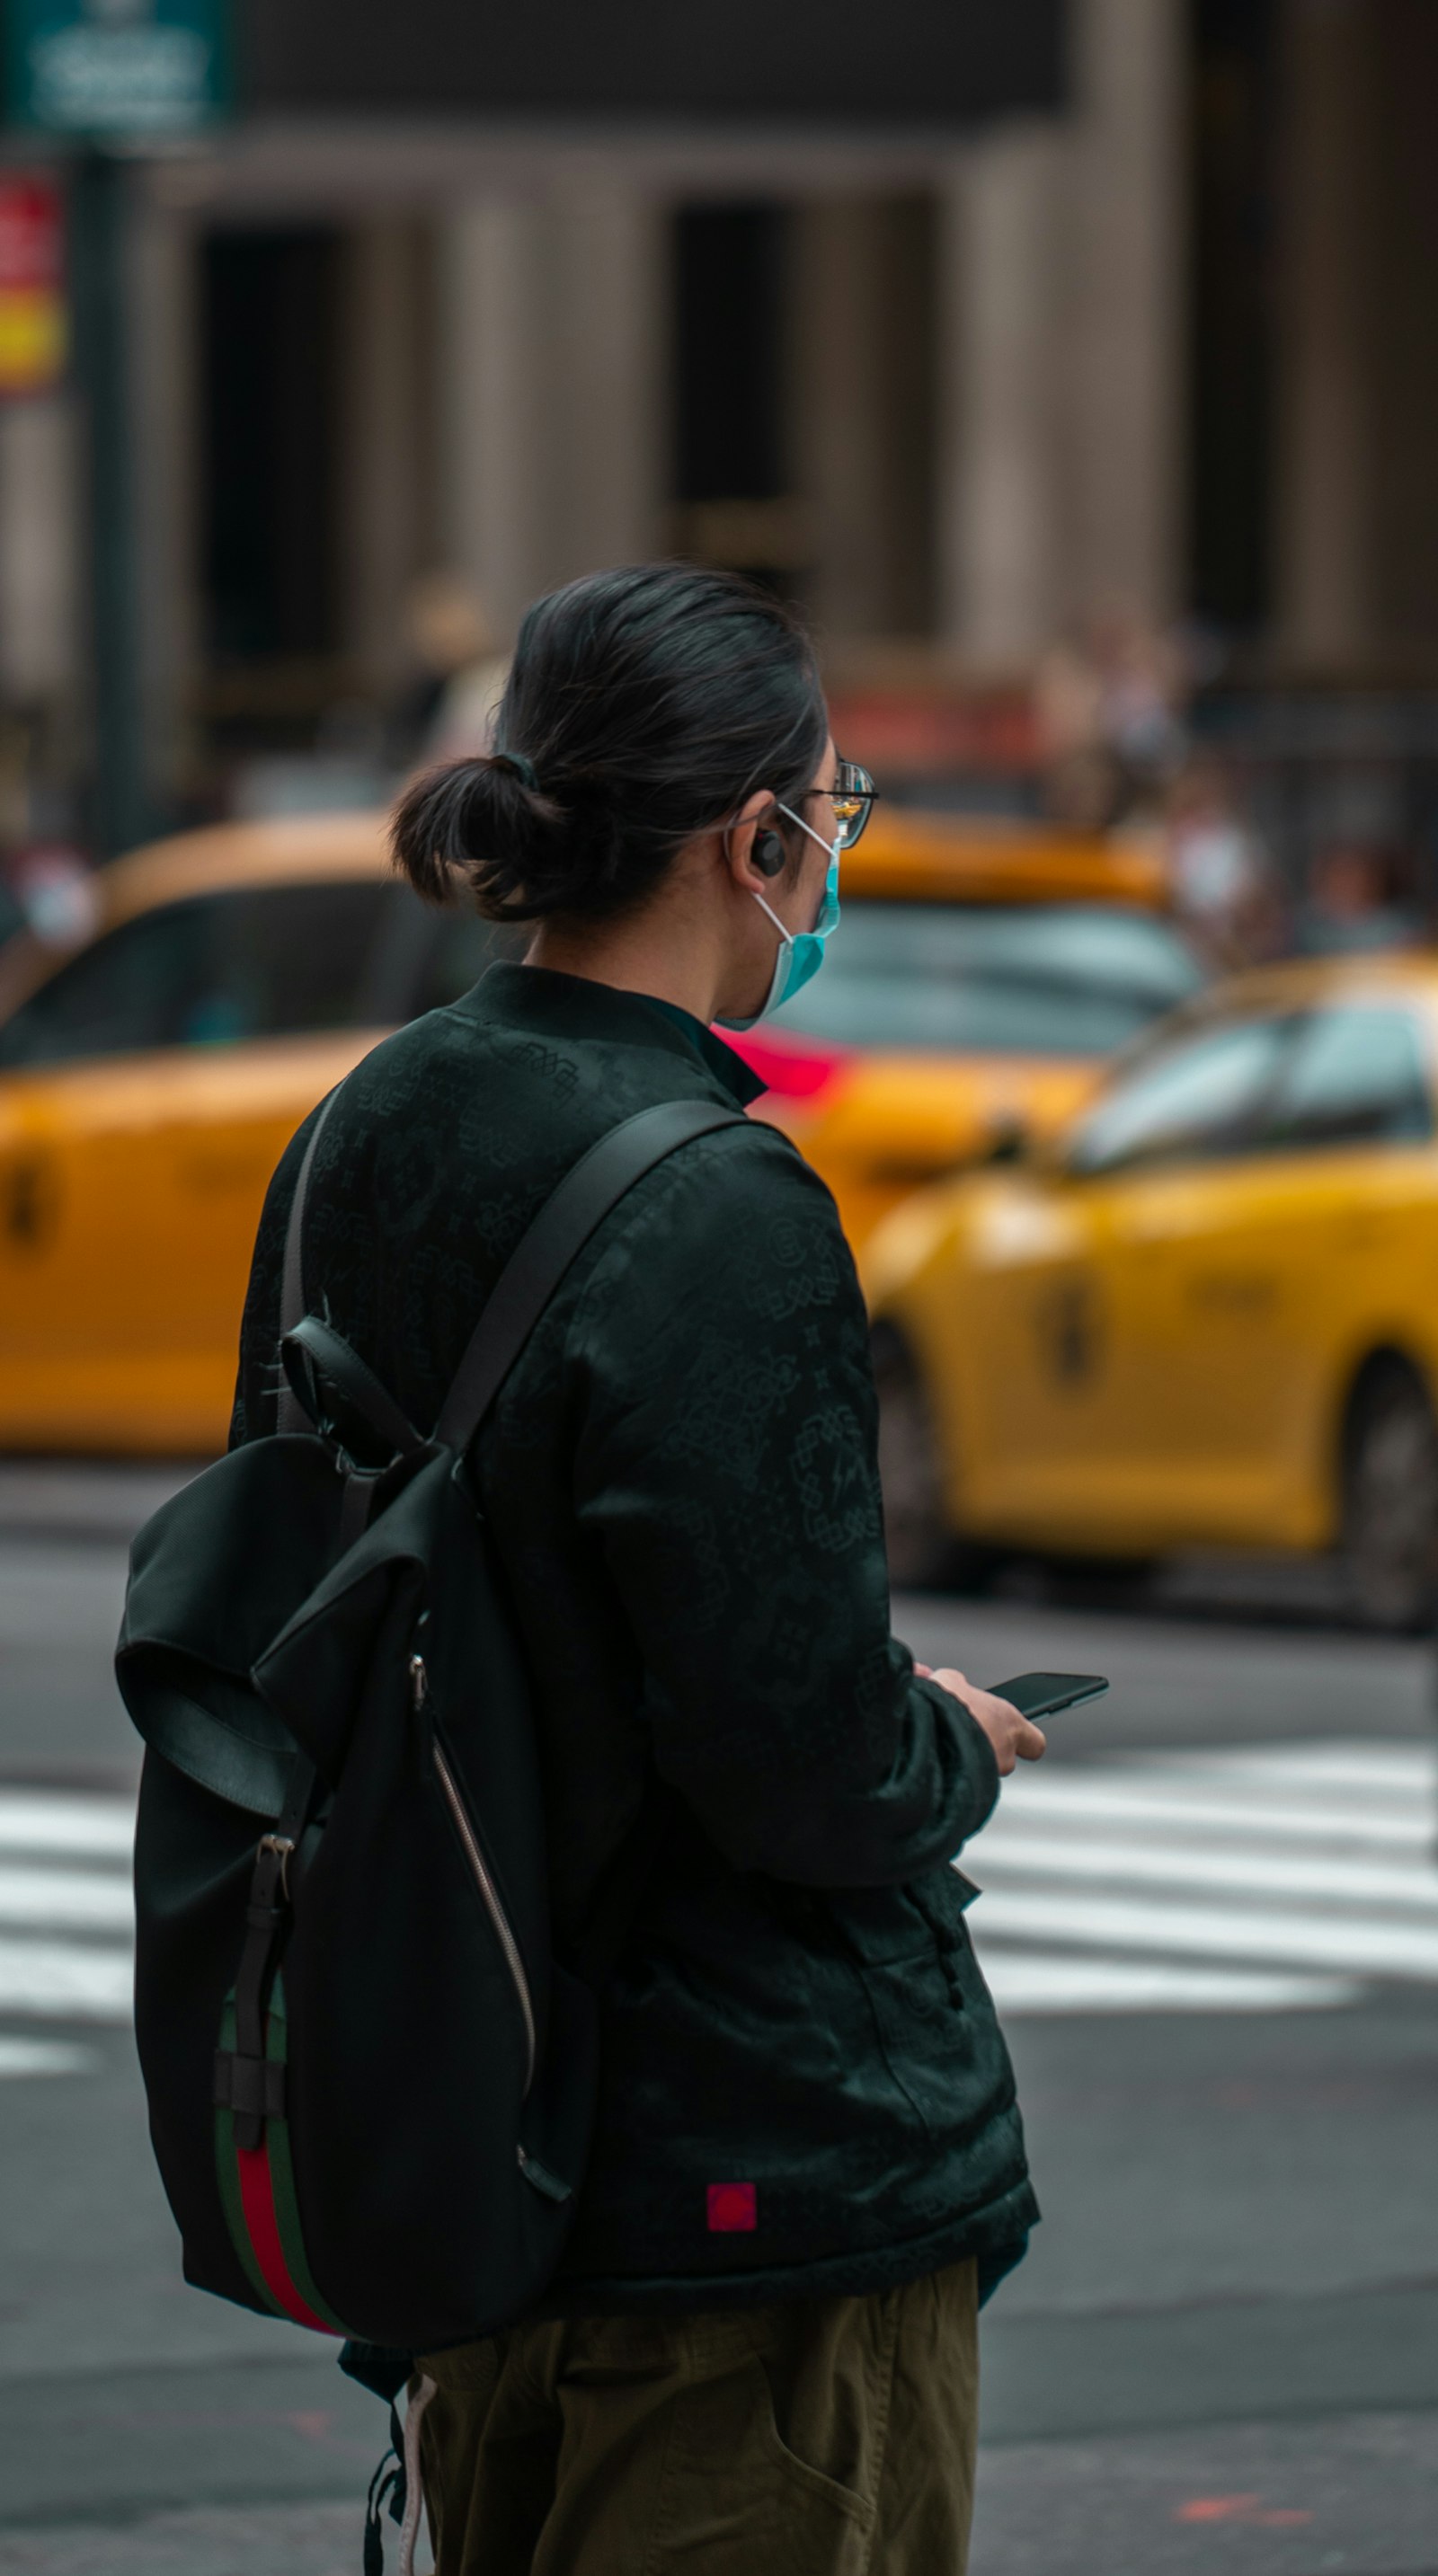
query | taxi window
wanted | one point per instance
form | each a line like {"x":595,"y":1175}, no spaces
{"x":266,"y":961}
{"x":1192,"y":1096}
{"x":1355,"y":1075}
{"x":1000,"y":979}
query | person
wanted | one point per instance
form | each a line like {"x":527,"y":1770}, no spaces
{"x":808,"y":2168}
{"x":1221,"y":879}
{"x":458,"y":673}
{"x":1360,"y":900}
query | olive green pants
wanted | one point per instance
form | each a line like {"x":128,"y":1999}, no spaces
{"x":818,"y":2437}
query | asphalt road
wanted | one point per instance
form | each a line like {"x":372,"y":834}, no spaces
{"x":1212,"y":1922}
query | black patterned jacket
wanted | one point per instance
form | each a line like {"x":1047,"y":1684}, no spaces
{"x":804,"y":2086}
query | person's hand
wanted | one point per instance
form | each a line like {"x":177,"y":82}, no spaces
{"x":1014,"y":1738}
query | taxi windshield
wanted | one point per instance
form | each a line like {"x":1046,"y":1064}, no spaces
{"x":992,"y":979}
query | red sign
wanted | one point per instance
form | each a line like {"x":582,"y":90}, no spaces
{"x":33,"y":319}
{"x":936,"y":731}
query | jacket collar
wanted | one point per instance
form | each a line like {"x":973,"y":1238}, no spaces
{"x":571,"y":1006}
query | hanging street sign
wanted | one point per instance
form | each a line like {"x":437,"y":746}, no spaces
{"x":34,"y":332}
{"x":117,"y":71}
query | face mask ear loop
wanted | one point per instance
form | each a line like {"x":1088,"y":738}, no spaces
{"x":787,"y":936}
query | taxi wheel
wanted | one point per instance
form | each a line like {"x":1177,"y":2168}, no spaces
{"x":1390,"y":1502}
{"x":922,"y":1549}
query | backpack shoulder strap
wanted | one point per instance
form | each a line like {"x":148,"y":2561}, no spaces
{"x":599,"y":1180}
{"x":290,"y":1414}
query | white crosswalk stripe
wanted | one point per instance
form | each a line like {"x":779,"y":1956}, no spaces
{"x":66,"y":1923}
{"x":1266,"y":1881}
{"x":1241,"y":1881}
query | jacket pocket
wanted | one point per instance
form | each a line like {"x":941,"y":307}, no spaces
{"x":907,"y":1945}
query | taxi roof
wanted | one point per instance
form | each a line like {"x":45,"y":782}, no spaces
{"x":286,"y":848}
{"x":905,"y":856}
{"x":1294,"y":982}
{"x":939,"y":858}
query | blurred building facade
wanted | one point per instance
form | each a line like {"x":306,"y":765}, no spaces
{"x":968,"y":333}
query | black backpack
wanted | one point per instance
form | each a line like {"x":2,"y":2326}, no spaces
{"x":371,"y":2087}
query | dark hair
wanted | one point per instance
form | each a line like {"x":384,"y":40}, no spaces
{"x":641,"y":706}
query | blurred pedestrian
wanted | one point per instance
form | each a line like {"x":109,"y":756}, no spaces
{"x":448,"y":711}
{"x":760,"y":2347}
{"x":1360,"y":897}
{"x":1222,"y":883}
{"x":1108,"y":707}
{"x":57,"y":893}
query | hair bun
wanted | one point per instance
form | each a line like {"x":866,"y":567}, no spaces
{"x":482,"y":821}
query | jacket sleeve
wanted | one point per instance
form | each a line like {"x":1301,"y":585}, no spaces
{"x":726,"y":1462}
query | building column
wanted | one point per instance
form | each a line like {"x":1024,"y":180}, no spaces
{"x":165,"y":398}
{"x":862,"y":401}
{"x":386,"y":359}
{"x":1125,"y":300}
{"x":39,"y":656}
{"x":1062,"y":326}
{"x":551,"y":341}
{"x":40,"y":672}
{"x":1000,"y":507}
{"x":1323,"y":604}
{"x":607,"y":353}
{"x":491,"y":417}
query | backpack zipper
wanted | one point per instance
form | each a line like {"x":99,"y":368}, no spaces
{"x":479,"y":1870}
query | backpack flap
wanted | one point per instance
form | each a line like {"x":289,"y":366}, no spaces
{"x":215,"y":1574}
{"x":312,"y":1673}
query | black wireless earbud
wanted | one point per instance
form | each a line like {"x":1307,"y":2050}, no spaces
{"x":768,"y":854}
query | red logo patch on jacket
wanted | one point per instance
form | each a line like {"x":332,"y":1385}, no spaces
{"x":733,"y":2208}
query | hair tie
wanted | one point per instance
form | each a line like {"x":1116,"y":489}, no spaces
{"x":518,"y":767}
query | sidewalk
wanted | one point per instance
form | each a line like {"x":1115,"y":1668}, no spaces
{"x":299,"y":2540}
{"x":1246,"y":2500}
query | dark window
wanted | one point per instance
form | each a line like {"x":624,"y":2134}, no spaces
{"x":264,"y":962}
{"x":729,"y":280}
{"x":1234,"y":123}
{"x":1353,"y":1075}
{"x":271,"y":433}
{"x":1032,"y":979}
{"x":1193,"y":1096}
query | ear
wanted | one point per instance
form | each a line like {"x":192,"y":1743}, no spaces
{"x":753,"y":848}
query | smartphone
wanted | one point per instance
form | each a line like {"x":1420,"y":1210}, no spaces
{"x":1041,"y":1694}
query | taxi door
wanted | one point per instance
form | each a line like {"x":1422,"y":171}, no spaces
{"x":1281,"y":1266}
{"x":1108,"y":1382}
{"x":1033,"y":1391}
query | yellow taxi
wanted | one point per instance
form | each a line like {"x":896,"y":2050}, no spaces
{"x":1206,"y":1315}
{"x":978,"y":980}
{"x":150,"y":1078}
{"x":148,"y":1084}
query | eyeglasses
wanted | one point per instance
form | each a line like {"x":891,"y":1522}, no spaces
{"x":852,"y":797}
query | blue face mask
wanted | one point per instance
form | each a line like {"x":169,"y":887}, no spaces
{"x":801,"y":952}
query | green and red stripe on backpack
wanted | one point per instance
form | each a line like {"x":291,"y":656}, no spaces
{"x":257,"y":2187}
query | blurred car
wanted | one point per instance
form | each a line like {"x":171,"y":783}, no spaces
{"x":150,"y":1077}
{"x":148,"y":1083}
{"x":979,"y":978}
{"x":1206,"y":1316}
